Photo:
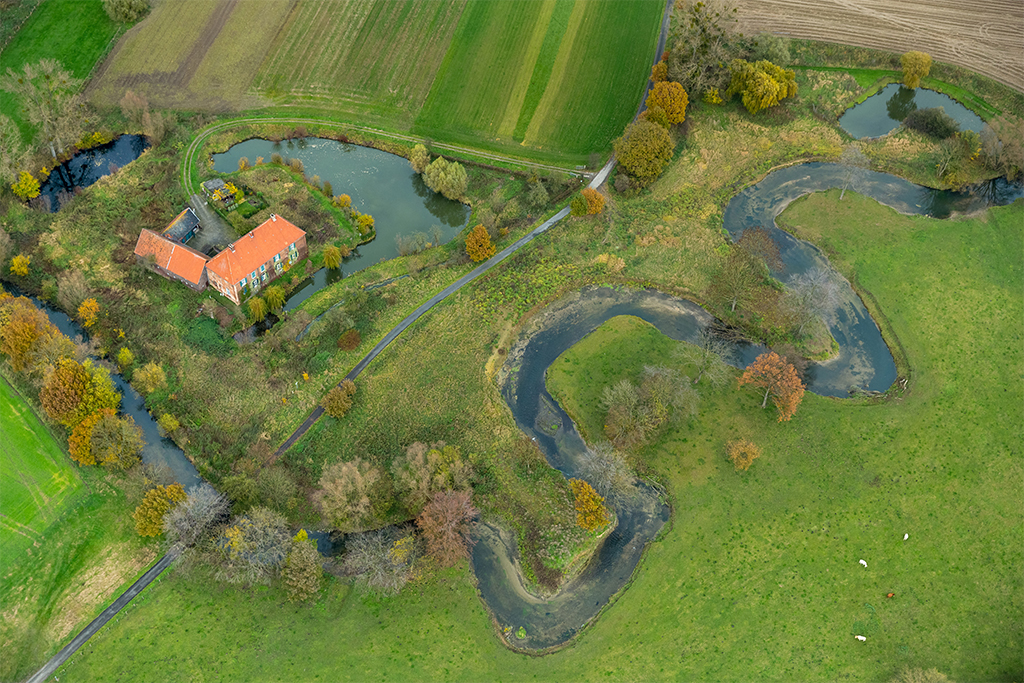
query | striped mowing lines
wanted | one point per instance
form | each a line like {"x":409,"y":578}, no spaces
{"x":37,"y":479}
{"x":380,"y":52}
{"x":480,"y":73}
{"x":599,"y":78}
{"x":568,"y":73}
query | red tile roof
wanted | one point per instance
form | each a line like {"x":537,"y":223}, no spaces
{"x":248,"y":253}
{"x":183,"y":261}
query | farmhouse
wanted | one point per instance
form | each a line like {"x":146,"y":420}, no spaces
{"x":257,"y":258}
{"x":243,"y":268}
{"x":173,"y":260}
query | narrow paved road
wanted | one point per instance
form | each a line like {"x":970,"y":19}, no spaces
{"x":105,"y":616}
{"x":186,"y":173}
{"x":596,"y":182}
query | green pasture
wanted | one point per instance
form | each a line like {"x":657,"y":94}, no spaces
{"x":374,"y":56}
{"x":51,"y":591}
{"x":757,"y":575}
{"x":559,"y":74}
{"x":77,"y":33}
{"x":37,"y":479}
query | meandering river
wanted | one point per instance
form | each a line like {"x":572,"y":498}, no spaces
{"x":864,"y":362}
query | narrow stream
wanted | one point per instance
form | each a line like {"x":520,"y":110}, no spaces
{"x":864,"y":362}
{"x":158,"y":450}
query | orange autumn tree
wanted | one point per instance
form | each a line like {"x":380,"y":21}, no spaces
{"x":778,"y":379}
{"x":595,"y":201}
{"x":591,"y":514}
{"x":742,"y":453}
{"x":478,"y":244}
{"x":80,"y":441}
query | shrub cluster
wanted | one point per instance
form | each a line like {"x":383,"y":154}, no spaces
{"x":934,"y":122}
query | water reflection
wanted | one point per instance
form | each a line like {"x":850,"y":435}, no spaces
{"x":883,"y":112}
{"x":85,"y":168}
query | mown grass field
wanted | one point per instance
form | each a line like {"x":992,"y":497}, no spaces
{"x":757,"y":577}
{"x":36,"y":477}
{"x":568,"y":79}
{"x":555,"y":78}
{"x":51,"y":591}
{"x":378,"y":55}
{"x":67,"y":541}
{"x":77,"y":33}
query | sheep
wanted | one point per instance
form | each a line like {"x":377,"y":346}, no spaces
{"x":864,"y":563}
{"x":861,"y":638}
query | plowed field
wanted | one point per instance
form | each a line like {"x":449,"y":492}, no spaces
{"x":987,"y":37}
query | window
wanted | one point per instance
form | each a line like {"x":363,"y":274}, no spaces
{"x":241,"y":283}
{"x":254,"y":275}
{"x":263,"y":278}
{"x":278,"y":267}
{"x":292,"y":248}
{"x":263,"y":268}
{"x":277,"y":257}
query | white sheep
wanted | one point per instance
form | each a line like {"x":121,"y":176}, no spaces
{"x":864,"y":563}
{"x":860,"y":638}
{"x":906,"y":536}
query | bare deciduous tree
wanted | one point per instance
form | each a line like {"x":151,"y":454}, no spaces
{"x":606,"y":470}
{"x":72,"y":290}
{"x":854,"y":159}
{"x":194,"y":519}
{"x":384,"y":558}
{"x":49,"y":96}
{"x":12,"y":152}
{"x":813,"y":295}
{"x":255,"y":547}
{"x":709,"y":356}
{"x":345,"y":492}
{"x":445,"y":523}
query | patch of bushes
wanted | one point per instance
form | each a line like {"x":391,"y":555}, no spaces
{"x":934,"y":122}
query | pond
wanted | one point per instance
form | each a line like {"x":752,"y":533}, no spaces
{"x":864,"y":362}
{"x":380,"y":184}
{"x":883,"y":112}
{"x":85,"y":168}
{"x":158,"y":450}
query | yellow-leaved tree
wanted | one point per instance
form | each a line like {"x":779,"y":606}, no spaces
{"x":591,"y":514}
{"x":669,"y":96}
{"x":149,"y":516}
{"x":762,"y":85}
{"x":916,"y":66}
{"x":89,"y":312}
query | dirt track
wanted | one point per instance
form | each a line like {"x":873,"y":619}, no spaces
{"x":987,"y":37}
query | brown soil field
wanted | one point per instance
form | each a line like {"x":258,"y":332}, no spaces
{"x":984,"y":36}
